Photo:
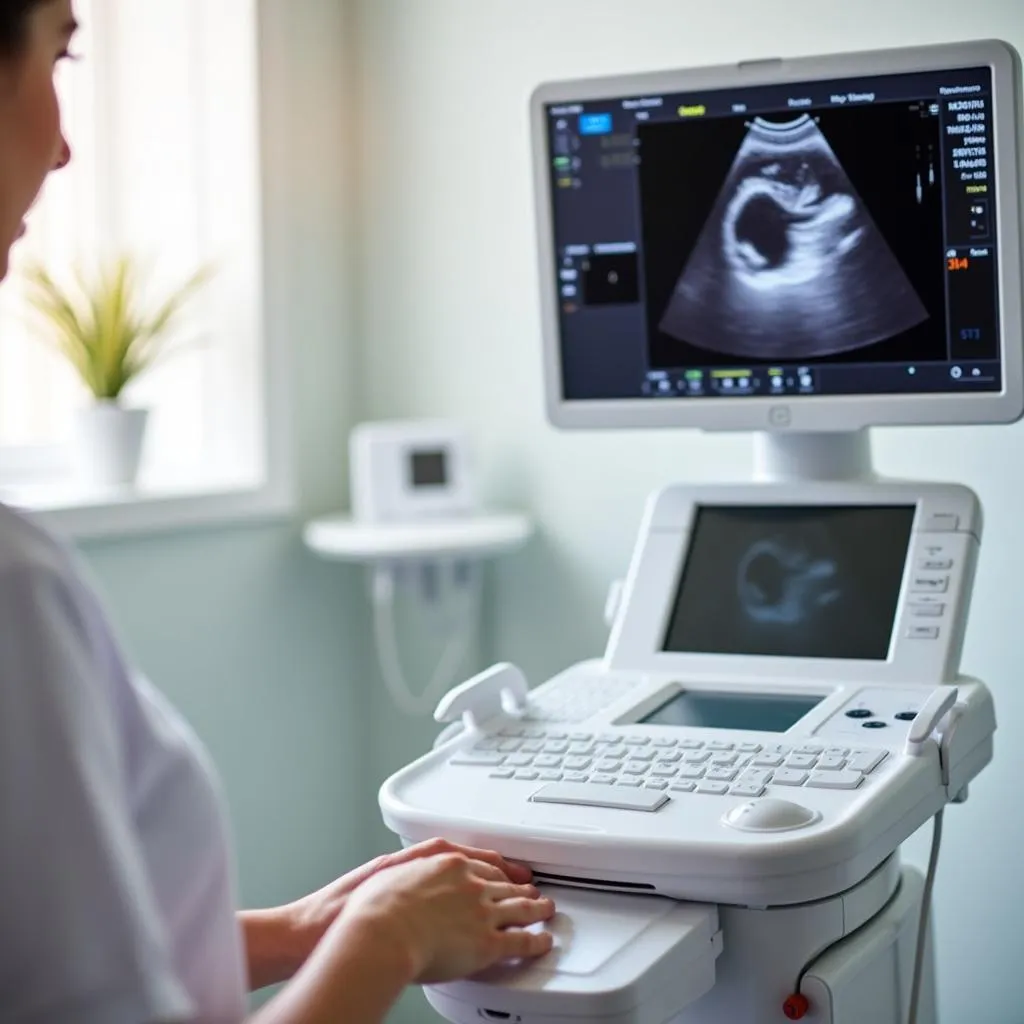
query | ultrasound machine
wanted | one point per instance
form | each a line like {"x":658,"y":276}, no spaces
{"x":804,"y":249}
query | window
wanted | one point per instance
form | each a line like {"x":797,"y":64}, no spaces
{"x":161,"y":115}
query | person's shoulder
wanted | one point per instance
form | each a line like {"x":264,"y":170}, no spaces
{"x":29,"y":551}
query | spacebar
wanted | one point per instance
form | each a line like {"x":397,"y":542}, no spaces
{"x":591,"y":794}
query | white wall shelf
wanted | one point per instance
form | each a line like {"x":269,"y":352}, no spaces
{"x":341,"y":538}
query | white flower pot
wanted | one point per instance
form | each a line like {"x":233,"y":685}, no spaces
{"x":108,"y":444}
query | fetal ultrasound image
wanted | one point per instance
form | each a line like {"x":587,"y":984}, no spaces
{"x":790,"y":263}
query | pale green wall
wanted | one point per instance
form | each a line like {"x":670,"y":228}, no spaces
{"x":448,"y":293}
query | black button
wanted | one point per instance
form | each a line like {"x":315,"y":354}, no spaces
{"x":859,"y":713}
{"x":875,"y":724}
{"x":906,"y":716}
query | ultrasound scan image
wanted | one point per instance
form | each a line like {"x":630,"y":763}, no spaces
{"x":780,"y":583}
{"x":790,"y":264}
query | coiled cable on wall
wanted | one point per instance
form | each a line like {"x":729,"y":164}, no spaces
{"x":382,"y":593}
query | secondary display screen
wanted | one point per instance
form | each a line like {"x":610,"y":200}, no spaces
{"x":791,"y":581}
{"x":428,"y":469}
{"x":775,"y":713}
{"x":830,"y":237}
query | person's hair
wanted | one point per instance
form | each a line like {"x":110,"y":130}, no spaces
{"x":14,"y":23}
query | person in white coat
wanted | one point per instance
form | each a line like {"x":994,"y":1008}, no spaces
{"x":117,"y":890}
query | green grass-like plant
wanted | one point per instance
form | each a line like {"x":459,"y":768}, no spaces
{"x":100,"y":324}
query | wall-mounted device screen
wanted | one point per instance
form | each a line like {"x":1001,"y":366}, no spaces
{"x":836,"y":237}
{"x":792,"y":581}
{"x":428,"y":468}
{"x":761,"y":712}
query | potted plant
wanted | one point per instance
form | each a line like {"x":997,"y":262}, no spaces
{"x":100,"y":326}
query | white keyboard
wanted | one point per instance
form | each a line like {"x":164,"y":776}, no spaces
{"x":601,"y":769}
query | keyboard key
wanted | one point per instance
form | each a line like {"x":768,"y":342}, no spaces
{"x":866,"y":760}
{"x":722,"y":759}
{"x":502,"y":773}
{"x":527,"y":774}
{"x":836,"y":751}
{"x":636,"y":741}
{"x":574,"y":776}
{"x":669,"y":757}
{"x":789,"y":777}
{"x":656,"y":784}
{"x":510,"y":745}
{"x":691,"y":744}
{"x":712,"y":788}
{"x":577,"y":764}
{"x":696,"y":756}
{"x":831,"y":762}
{"x":621,"y":798}
{"x":681,"y":786}
{"x":692,"y":771}
{"x":626,"y":780}
{"x":835,"y":780}
{"x":746,"y":789}
{"x":748,"y":747}
{"x":721,"y":774}
{"x":767,"y":760}
{"x":519,"y":760}
{"x":491,"y":743}
{"x":603,"y":778}
{"x":801,"y":760}
{"x":663,"y":741}
{"x":635,"y":768}
{"x":547,"y":761}
{"x":557,"y":747}
{"x":664,"y":771}
{"x":532,"y":746}
{"x":720,"y":745}
{"x":550,"y":775}
{"x":809,"y":748}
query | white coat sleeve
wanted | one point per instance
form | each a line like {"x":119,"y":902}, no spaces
{"x":80,"y":938}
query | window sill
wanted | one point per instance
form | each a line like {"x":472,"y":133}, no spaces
{"x":93,"y":515}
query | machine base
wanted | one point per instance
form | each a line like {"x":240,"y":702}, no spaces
{"x":641,"y":960}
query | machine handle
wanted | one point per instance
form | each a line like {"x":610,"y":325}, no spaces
{"x":928,"y":718}
{"x":485,"y":695}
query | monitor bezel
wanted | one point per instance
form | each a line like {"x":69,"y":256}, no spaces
{"x":636,"y":641}
{"x":811,"y":413}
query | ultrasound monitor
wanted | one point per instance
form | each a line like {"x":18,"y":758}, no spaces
{"x":819,"y":244}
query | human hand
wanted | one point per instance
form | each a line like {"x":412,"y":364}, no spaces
{"x":310,"y":917}
{"x":451,"y":914}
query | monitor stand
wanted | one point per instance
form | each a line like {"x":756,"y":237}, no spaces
{"x":783,"y":456}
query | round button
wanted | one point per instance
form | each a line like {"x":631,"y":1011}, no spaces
{"x":906,"y":716}
{"x":874,"y":724}
{"x":770,"y":815}
{"x":859,"y":713}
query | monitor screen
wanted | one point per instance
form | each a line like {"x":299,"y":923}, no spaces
{"x":793,"y":581}
{"x":760,"y":712}
{"x":829,"y":238}
{"x":428,"y":468}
